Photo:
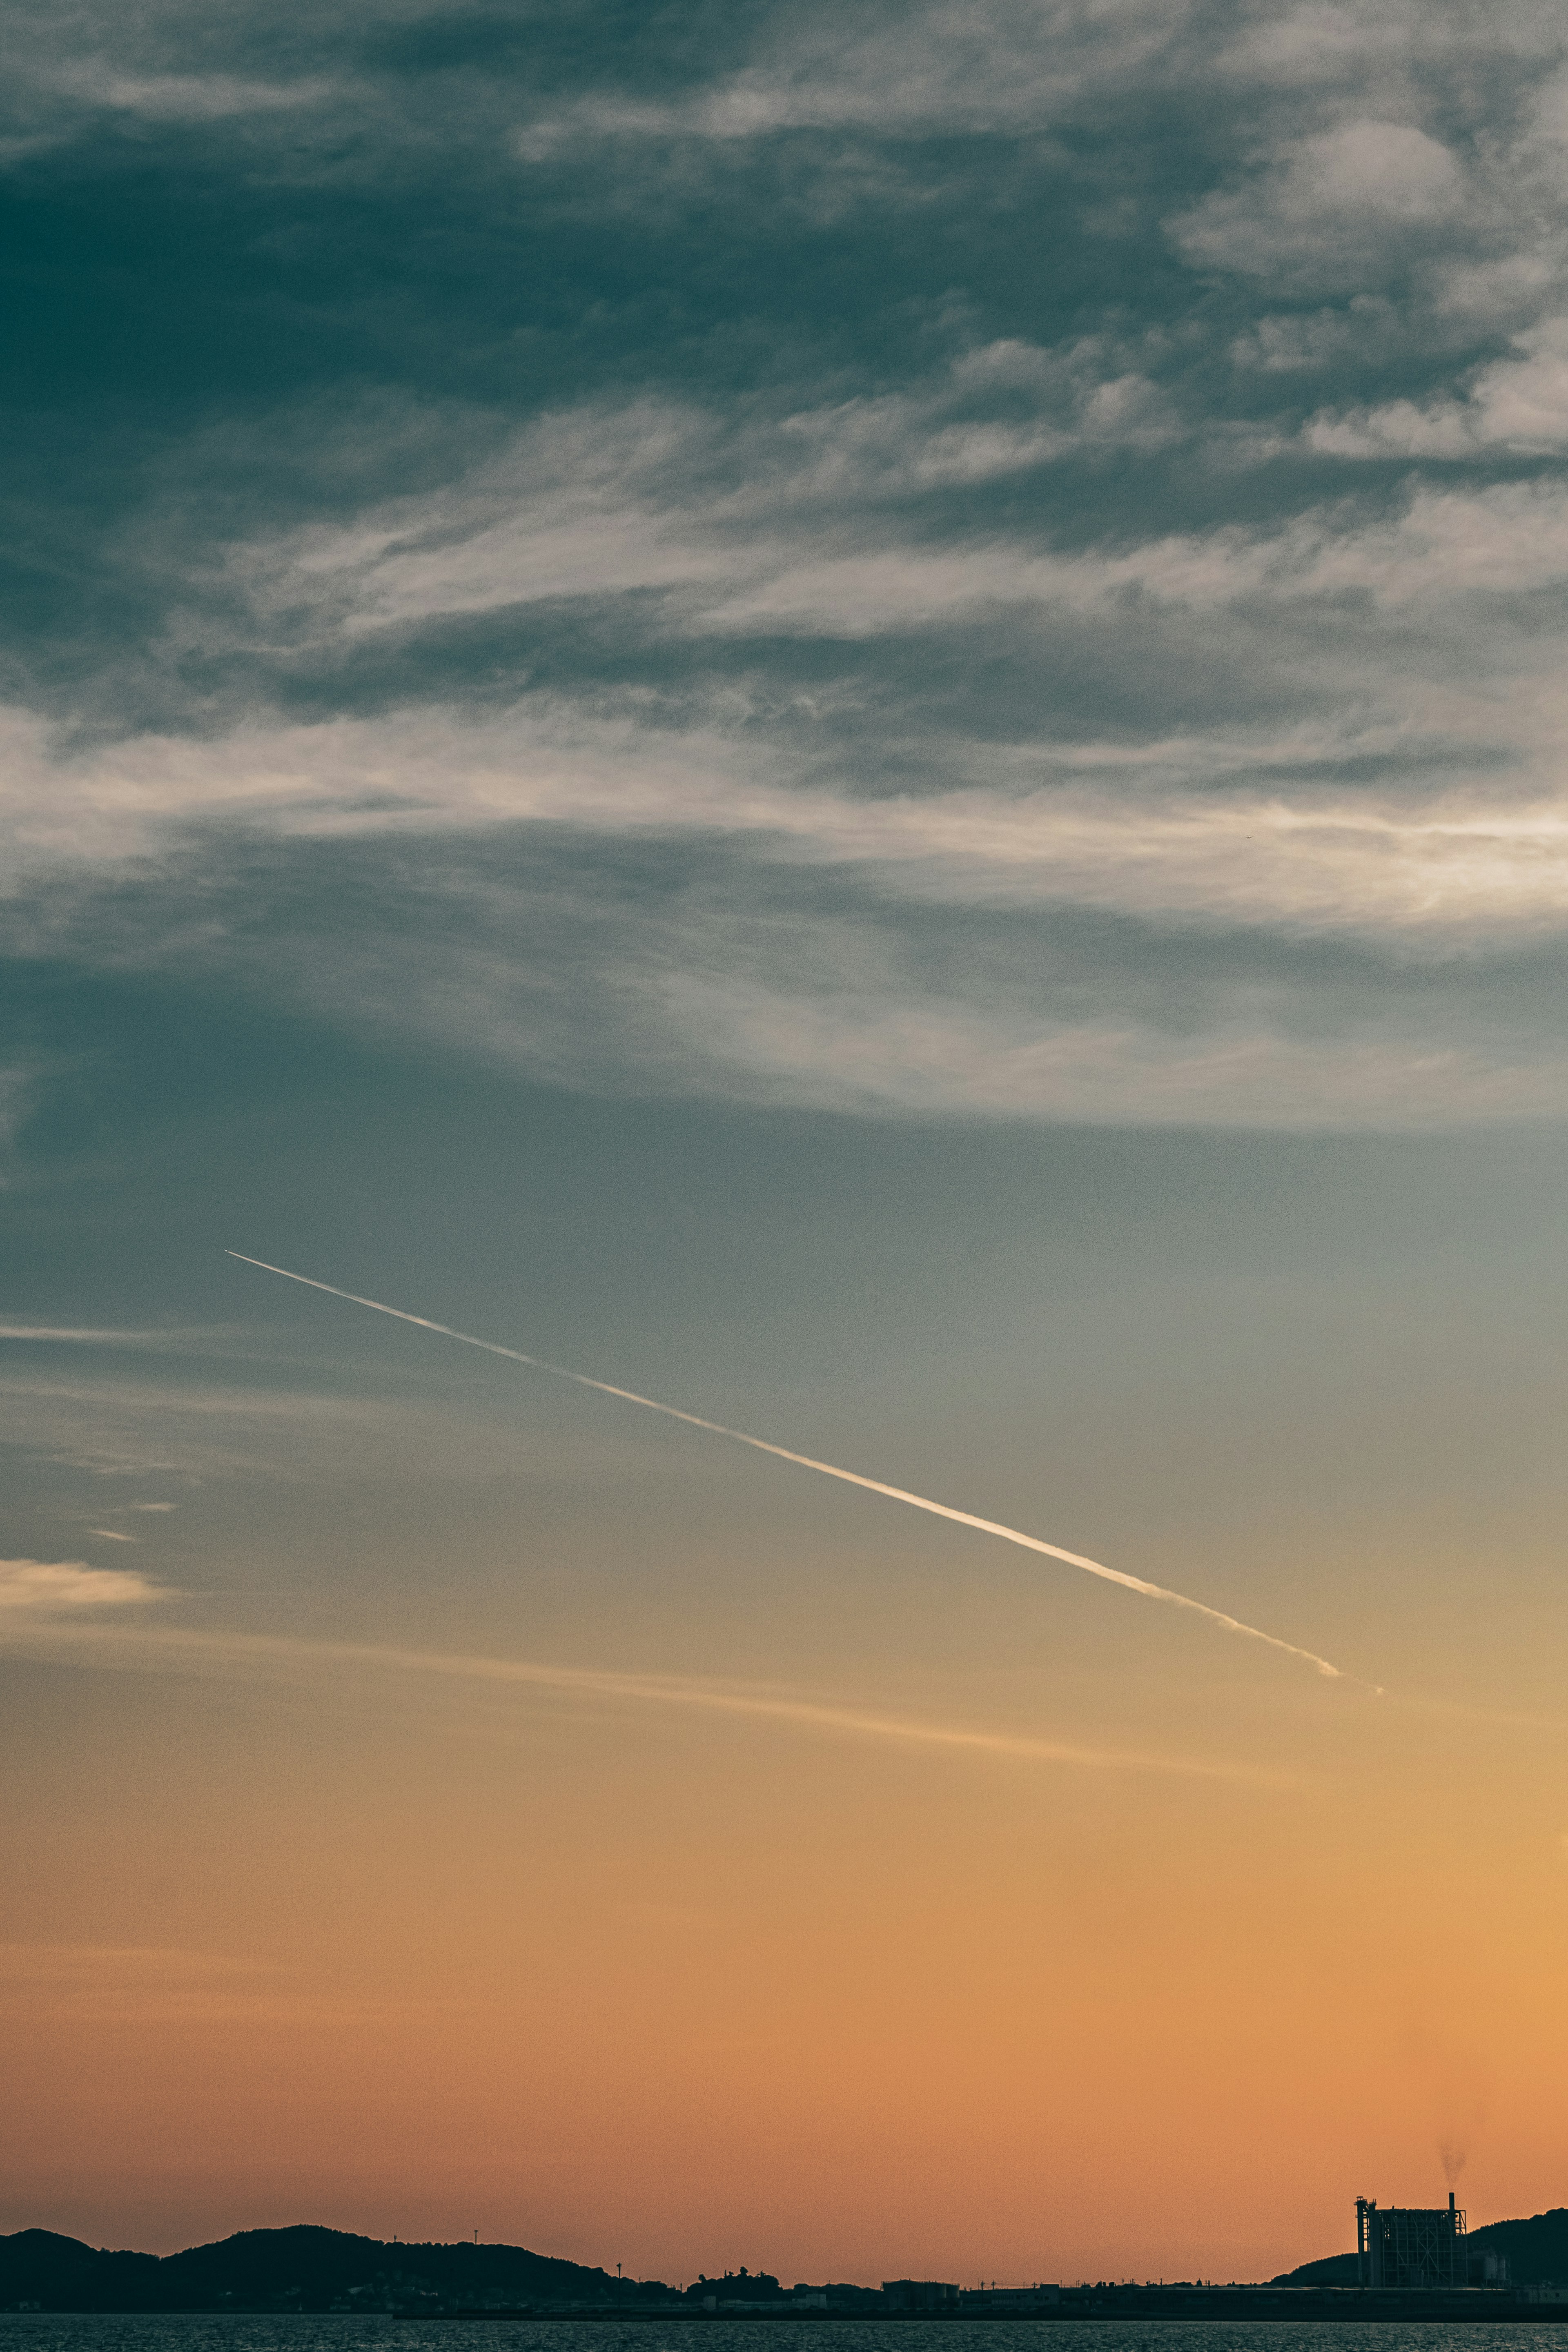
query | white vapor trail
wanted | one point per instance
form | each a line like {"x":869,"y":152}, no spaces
{"x":805,"y":1462}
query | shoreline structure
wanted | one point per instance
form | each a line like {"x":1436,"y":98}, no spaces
{"x":311,"y":2271}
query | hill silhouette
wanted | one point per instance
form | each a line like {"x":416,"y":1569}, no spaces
{"x":302,"y":2269}
{"x":308,"y":2268}
{"x":1536,"y":2249}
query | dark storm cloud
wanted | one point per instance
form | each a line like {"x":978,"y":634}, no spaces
{"x":1046,"y":521}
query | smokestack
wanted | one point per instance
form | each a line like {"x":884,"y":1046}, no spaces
{"x":1450,"y":2200}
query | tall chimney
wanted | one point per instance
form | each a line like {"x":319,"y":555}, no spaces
{"x":1450,"y":2200}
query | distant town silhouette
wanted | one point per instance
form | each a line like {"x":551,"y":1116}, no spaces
{"x":1519,"y":2265}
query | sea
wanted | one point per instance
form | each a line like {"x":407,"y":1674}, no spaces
{"x":68,"y":2332}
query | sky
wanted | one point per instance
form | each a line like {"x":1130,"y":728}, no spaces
{"x":852,"y":717}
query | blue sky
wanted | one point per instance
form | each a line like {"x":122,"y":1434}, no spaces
{"x":854,"y":715}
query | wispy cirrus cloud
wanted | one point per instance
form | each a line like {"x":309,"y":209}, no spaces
{"x":85,"y":1335}
{"x":1122,"y":828}
{"x":818,"y":527}
{"x":858,"y":1050}
{"x":1000,"y":65}
{"x":150,"y":1429}
{"x":119,"y":1985}
{"x":198,"y":1652}
{"x":972,"y":606}
{"x":184,"y":98}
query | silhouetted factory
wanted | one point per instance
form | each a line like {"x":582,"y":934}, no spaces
{"x":1415,"y":2247}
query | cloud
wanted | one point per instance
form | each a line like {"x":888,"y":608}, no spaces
{"x":185,"y":98}
{"x":1368,"y":328}
{"x":815,"y":526}
{"x":148,"y":1984}
{"x":1321,"y":44}
{"x":1129,"y":828}
{"x":1338,"y":203}
{"x":1407,"y":810}
{"x":594,"y":501}
{"x":1500,"y":541}
{"x":54,"y":1588}
{"x":1516,"y":405}
{"x":746,"y":985}
{"x":237,"y":1652}
{"x":960,"y":666}
{"x":853,"y":1050}
{"x":150,"y":1429}
{"x":79,"y":1336}
{"x":993,"y":65}
{"x":1321,"y":47}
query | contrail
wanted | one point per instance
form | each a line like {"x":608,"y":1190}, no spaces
{"x":805,"y":1462}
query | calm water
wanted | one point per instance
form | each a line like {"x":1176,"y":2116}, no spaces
{"x":61,"y":2332}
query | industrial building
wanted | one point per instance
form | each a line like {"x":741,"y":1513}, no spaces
{"x":919,"y":2294}
{"x":1410,"y":2246}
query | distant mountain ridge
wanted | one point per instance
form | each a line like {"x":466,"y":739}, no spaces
{"x":303,"y":2269}
{"x":309,"y":2268}
{"x":1536,"y":2248}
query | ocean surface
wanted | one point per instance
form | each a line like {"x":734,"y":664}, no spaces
{"x":66,"y":2332}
